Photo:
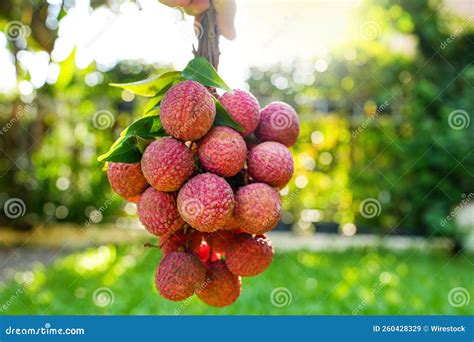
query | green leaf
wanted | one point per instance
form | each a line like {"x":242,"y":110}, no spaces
{"x":152,"y":86}
{"x":223,"y":118}
{"x":200,"y":70}
{"x":152,"y":104}
{"x":124,"y":150}
{"x":128,"y":148}
{"x":148,"y":127}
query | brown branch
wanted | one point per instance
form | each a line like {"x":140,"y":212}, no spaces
{"x":208,"y":35}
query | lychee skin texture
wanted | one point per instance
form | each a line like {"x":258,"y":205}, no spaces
{"x":127,"y":180}
{"x":222,"y":151}
{"x":257,"y":207}
{"x":271,"y":162}
{"x":174,"y":243}
{"x":244,"y":109}
{"x":221,"y":287}
{"x":278,"y":122}
{"x":167,"y":164}
{"x":178,"y":275}
{"x":206,"y":202}
{"x":157,"y":211}
{"x":219,"y":240}
{"x":248,"y":256}
{"x":187,"y":111}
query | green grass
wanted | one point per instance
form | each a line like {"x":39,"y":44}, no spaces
{"x":365,"y":282}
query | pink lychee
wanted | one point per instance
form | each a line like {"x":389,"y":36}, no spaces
{"x":167,"y":163}
{"x":244,"y":109}
{"x":187,"y":111}
{"x":206,"y":202}
{"x":271,"y":162}
{"x":278,"y":122}
{"x":257,"y":208}
{"x":222,"y":151}
{"x":157,"y":211}
{"x":127,"y":180}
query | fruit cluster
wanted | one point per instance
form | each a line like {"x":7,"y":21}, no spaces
{"x":210,"y":192}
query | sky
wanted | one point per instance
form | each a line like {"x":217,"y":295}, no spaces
{"x":268,"y":31}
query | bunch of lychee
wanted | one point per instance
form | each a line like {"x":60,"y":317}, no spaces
{"x":210,"y":193}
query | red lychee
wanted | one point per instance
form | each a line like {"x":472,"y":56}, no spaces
{"x":178,"y":275}
{"x":222,"y":151}
{"x":187,"y":111}
{"x":206,"y":202}
{"x":257,"y":208}
{"x":167,"y":163}
{"x":244,"y":109}
{"x":271,"y":162}
{"x":174,"y":243}
{"x":221,"y":287}
{"x":157,"y":211}
{"x":219,"y":240}
{"x":248,"y":256}
{"x":278,"y":122}
{"x":127,"y":180}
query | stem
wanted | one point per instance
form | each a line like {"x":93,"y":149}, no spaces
{"x":208,"y":35}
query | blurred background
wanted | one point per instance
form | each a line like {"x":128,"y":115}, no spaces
{"x":379,"y":216}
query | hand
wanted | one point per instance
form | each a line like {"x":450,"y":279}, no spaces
{"x":225,"y":12}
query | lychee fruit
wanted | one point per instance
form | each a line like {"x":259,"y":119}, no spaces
{"x":178,"y":275}
{"x":167,"y":163}
{"x":187,"y":111}
{"x":257,"y":208}
{"x":222,"y":151}
{"x":219,"y":241}
{"x":127,"y":180}
{"x":186,"y":241}
{"x":173,"y":243}
{"x":157,"y":211}
{"x":221,"y":287}
{"x":244,"y":109}
{"x":206,"y":202}
{"x":248,"y":256}
{"x":231,"y":224}
{"x":271,"y":162}
{"x":278,"y":122}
